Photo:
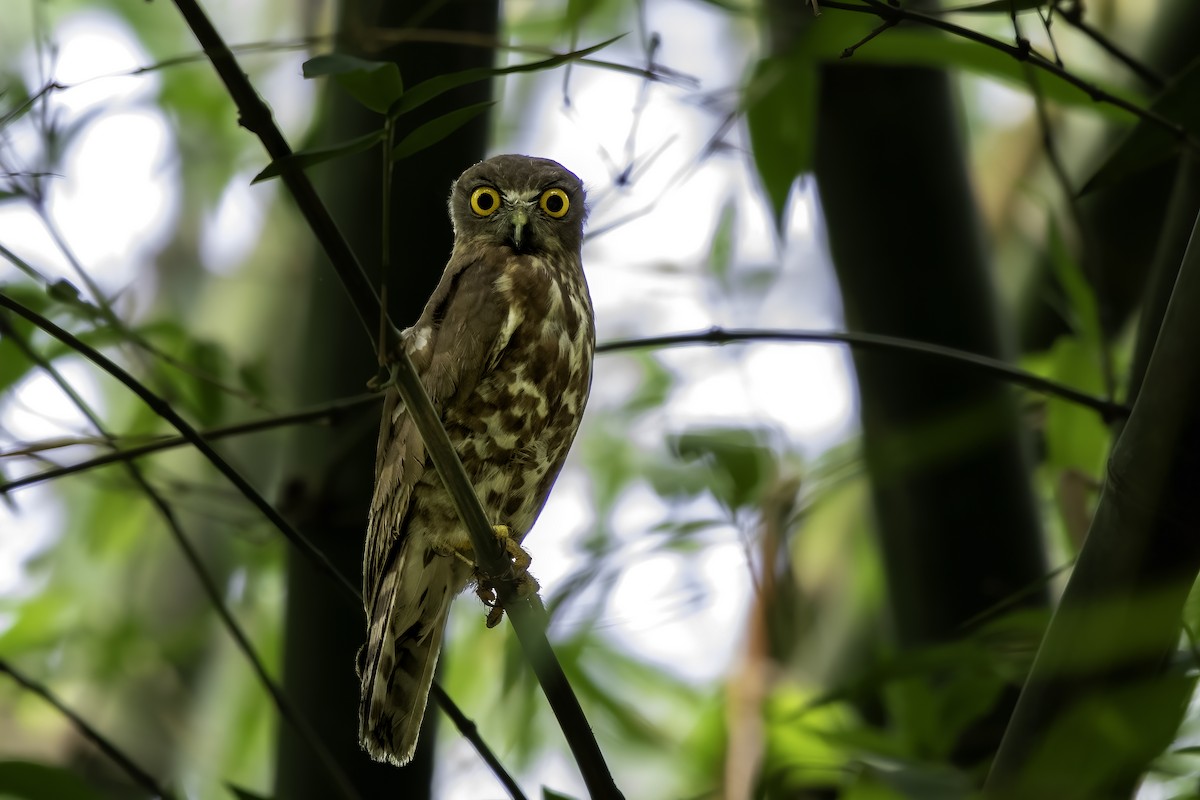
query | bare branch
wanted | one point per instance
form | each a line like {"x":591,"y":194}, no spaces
{"x":1074,"y":17}
{"x":1107,"y":409}
{"x":466,"y":726}
{"x":887,"y":12}
{"x":328,"y":413}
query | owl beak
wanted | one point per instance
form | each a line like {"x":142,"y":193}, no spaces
{"x":519,"y":219}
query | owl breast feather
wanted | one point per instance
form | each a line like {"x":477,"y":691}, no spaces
{"x":515,"y":429}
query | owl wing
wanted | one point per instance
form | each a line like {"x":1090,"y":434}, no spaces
{"x":459,"y":336}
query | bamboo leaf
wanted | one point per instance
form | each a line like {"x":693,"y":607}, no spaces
{"x":1147,"y":145}
{"x":244,"y":794}
{"x":303,"y":159}
{"x":27,"y":780}
{"x":375,"y":84}
{"x":427,"y":90}
{"x":437,"y":129}
{"x":780,"y":113}
{"x":996,"y":7}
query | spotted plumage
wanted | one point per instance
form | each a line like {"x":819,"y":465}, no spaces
{"x":504,"y":348}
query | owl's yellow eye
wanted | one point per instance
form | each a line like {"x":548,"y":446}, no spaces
{"x":555,"y":203}
{"x":485,"y":201}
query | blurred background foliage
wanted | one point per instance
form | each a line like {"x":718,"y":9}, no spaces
{"x":767,"y":578}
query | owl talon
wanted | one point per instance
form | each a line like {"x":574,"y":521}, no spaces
{"x":384,"y":379}
{"x":526,"y":584}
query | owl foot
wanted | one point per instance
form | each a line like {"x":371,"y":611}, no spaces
{"x":526,"y":584}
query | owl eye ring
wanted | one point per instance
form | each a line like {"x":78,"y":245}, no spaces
{"x":555,"y":203}
{"x":485,"y":201}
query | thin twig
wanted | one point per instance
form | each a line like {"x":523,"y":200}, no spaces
{"x":1074,"y":17}
{"x":467,"y":727}
{"x":163,"y":409}
{"x":138,"y":775}
{"x":327,"y":413}
{"x":1107,"y":409}
{"x":884,"y":11}
{"x":878,"y":29}
{"x":196,"y":564}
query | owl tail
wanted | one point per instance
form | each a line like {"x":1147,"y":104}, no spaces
{"x":404,"y":637}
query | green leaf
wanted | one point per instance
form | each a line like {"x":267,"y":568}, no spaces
{"x":739,"y":9}
{"x":375,"y":84}
{"x":337,"y":64}
{"x":244,"y":794}
{"x":30,"y":781}
{"x":781,"y":102}
{"x":64,"y":291}
{"x":741,"y":464}
{"x":427,"y":90}
{"x":437,"y":129}
{"x":42,"y":622}
{"x":211,"y":365}
{"x":996,"y":7}
{"x":304,"y":159}
{"x":655,"y":384}
{"x":577,"y":12}
{"x":550,"y":794}
{"x":1149,"y":144}
{"x":13,"y":363}
{"x":720,"y":249}
{"x":1083,"y":312}
{"x":1076,"y":439}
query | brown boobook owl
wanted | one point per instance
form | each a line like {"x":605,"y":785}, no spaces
{"x":504,"y":349}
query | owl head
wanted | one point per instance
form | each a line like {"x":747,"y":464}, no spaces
{"x":532,"y":205}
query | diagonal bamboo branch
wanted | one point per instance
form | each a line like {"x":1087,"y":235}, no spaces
{"x":529,"y":619}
